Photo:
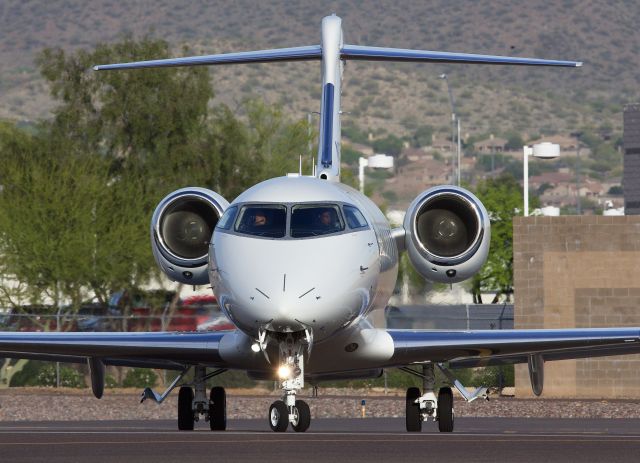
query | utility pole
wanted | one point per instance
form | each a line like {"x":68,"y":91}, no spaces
{"x":454,"y":122}
{"x":578,"y":202}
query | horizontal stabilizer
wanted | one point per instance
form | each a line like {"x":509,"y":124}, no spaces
{"x":262,"y":56}
{"x":357,"y":52}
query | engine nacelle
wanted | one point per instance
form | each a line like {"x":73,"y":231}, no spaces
{"x":447,"y":234}
{"x":181,"y":229}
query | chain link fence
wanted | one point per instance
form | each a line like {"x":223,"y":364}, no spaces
{"x":451,"y":317}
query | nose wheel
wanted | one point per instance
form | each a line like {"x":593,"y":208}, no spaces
{"x":291,"y":373}
{"x":302,"y":416}
{"x":280,"y":416}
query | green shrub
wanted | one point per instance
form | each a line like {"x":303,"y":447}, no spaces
{"x":69,"y":377}
{"x":110,"y":382}
{"x":140,"y":378}
{"x":43,"y":374}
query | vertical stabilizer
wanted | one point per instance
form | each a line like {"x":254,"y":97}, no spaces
{"x":328,"y":166}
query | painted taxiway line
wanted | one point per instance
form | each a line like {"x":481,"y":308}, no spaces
{"x":318,"y":436}
{"x":312,"y":441}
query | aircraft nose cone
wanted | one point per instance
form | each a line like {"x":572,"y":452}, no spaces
{"x":289,"y":285}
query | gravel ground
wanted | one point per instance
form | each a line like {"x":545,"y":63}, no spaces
{"x":18,"y":404}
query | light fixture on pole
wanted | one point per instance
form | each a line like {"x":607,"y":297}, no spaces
{"x":544,"y":150}
{"x":454,"y":121}
{"x":377,"y":161}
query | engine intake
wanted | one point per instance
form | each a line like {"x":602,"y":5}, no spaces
{"x":447,"y":234}
{"x":181,"y":229}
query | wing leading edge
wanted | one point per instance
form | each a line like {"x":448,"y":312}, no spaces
{"x":464,"y":349}
{"x":154,"y":350}
{"x":347,"y":52}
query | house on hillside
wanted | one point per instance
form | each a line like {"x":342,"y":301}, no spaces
{"x":416,"y":176}
{"x":415,"y":154}
{"x":364,"y":149}
{"x":442,"y":144}
{"x":564,"y":193}
{"x":552,"y":178}
{"x":491,"y":145}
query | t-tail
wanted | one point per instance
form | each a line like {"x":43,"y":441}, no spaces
{"x":332,"y":51}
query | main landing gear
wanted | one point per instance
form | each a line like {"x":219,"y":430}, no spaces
{"x":193,"y":402}
{"x":291,"y":373}
{"x":421,"y":407}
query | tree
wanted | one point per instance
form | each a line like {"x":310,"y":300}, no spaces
{"x":77,"y":195}
{"x":423,"y":136}
{"x":240,"y":154}
{"x":390,"y":145}
{"x":64,"y":222}
{"x":148,"y":122}
{"x":514,"y":142}
{"x":502,"y":197}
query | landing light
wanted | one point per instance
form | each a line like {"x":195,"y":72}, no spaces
{"x":284,"y":372}
{"x":255,"y":347}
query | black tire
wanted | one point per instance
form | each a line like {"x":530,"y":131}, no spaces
{"x":412,"y":414}
{"x":185,"y":409}
{"x":278,"y":416}
{"x":304,"y":417}
{"x":218,"y":409}
{"x":445,"y":410}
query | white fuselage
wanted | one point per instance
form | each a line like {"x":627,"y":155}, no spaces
{"x":288,"y":284}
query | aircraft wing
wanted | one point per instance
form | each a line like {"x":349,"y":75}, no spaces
{"x":464,"y":349}
{"x":366,"y":53}
{"x":169,"y":350}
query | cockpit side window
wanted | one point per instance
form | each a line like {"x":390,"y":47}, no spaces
{"x":266,"y":220}
{"x":315,"y":219}
{"x":354,"y":217}
{"x":227,"y":218}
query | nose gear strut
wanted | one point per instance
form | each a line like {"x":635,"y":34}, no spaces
{"x":291,"y":374}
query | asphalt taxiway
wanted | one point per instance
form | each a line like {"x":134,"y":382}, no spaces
{"x":332,"y":440}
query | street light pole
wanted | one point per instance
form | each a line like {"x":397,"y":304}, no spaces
{"x":578,"y":202}
{"x":459,"y":151}
{"x":377,"y":161}
{"x":452,"y":102}
{"x":525,"y":178}
{"x":309,"y":134}
{"x":544,"y":150}
{"x":362,"y":163}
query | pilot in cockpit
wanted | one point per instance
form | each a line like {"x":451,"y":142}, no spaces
{"x":327,"y":219}
{"x":259,"y":219}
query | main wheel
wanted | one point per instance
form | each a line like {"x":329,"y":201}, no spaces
{"x":218,"y":409}
{"x":445,"y":409}
{"x":185,"y":409}
{"x":412,"y":415}
{"x":278,"y":416}
{"x":303,"y":417}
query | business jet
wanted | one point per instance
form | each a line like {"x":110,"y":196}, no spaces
{"x":298,"y":262}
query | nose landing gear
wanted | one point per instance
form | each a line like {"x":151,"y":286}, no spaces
{"x":291,"y":374}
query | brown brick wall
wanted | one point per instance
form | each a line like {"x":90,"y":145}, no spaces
{"x":579,"y":271}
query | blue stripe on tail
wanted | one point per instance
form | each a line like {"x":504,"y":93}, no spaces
{"x":327,"y":115}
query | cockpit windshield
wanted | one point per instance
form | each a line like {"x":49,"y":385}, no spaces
{"x":266,"y":220}
{"x":315,"y":219}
